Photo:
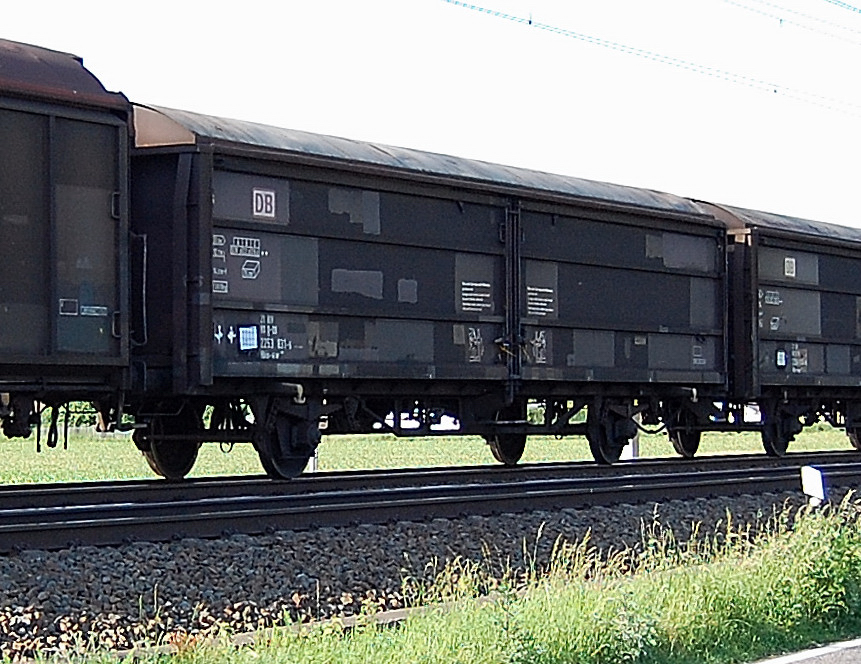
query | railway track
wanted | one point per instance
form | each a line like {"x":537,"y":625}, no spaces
{"x":55,"y":516}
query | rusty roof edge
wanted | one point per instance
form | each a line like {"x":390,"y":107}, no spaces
{"x":118,"y":101}
{"x":60,"y":77}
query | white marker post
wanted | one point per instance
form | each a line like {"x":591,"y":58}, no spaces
{"x":813,"y":485}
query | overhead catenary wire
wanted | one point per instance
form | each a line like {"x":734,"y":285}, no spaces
{"x":844,"y":5}
{"x":806,"y":22}
{"x":830,"y":103}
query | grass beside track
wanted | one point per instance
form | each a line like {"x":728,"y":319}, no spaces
{"x":736,"y":597}
{"x":92,"y":456}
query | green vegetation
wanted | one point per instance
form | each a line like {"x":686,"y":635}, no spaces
{"x":736,"y":596}
{"x":93,"y":456}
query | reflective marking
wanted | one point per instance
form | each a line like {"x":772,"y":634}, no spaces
{"x":247,"y":337}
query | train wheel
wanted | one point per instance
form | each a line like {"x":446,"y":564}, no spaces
{"x":775,"y":434}
{"x":507,"y":448}
{"x":172,"y":459}
{"x":780,"y":425}
{"x":685,"y":440}
{"x":285,"y":451}
{"x":608,"y":432}
{"x":774,"y":439}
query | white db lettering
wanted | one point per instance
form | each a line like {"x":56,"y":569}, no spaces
{"x":263,"y":203}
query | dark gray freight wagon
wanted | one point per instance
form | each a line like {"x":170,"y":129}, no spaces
{"x":202,"y":279}
{"x":380,"y":288}
{"x":63,"y":235}
{"x":796,"y":311}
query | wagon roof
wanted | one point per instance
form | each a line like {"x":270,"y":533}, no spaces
{"x":39,"y":73}
{"x":786,"y":225}
{"x":157,"y":126}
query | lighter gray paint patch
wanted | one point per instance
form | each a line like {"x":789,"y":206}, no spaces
{"x":593,"y":348}
{"x":789,"y":311}
{"x":458,"y":335}
{"x":788,"y":266}
{"x":408,"y":291}
{"x":234,"y":197}
{"x":363,"y":207}
{"x":703,"y":303}
{"x":688,"y":252}
{"x":838,"y":360}
{"x":401,"y":341}
{"x":858,"y":317}
{"x":362,"y":282}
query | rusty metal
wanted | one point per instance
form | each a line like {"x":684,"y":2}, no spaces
{"x":34,"y":72}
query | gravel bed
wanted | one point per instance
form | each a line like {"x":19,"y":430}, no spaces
{"x":122,"y":596}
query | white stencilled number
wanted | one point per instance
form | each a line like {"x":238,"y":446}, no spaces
{"x":263,"y":203}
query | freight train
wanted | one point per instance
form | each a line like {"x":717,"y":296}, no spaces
{"x":199,"y":279}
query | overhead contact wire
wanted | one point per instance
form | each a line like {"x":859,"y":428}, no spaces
{"x":798,"y":24}
{"x":844,"y":5}
{"x":822,"y":101}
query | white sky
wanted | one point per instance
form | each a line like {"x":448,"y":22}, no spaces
{"x":430,"y":75}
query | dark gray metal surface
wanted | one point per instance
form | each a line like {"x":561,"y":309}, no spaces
{"x":746,"y":218}
{"x":63,"y":226}
{"x":208,"y":129}
{"x":338,"y":273}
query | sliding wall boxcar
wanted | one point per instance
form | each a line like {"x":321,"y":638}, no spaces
{"x":346,"y":267}
{"x":63,"y":224}
{"x":796,"y":306}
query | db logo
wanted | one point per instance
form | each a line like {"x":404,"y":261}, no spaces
{"x":263,"y":203}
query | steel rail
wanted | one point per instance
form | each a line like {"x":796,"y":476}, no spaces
{"x":160,"y":518}
{"x":56,"y":494}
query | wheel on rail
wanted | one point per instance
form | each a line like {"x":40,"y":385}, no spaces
{"x":173,"y":459}
{"x":685,"y":439}
{"x":774,"y":440}
{"x":286,"y":449}
{"x":608,"y":431}
{"x":780,"y":424}
{"x":507,"y":448}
